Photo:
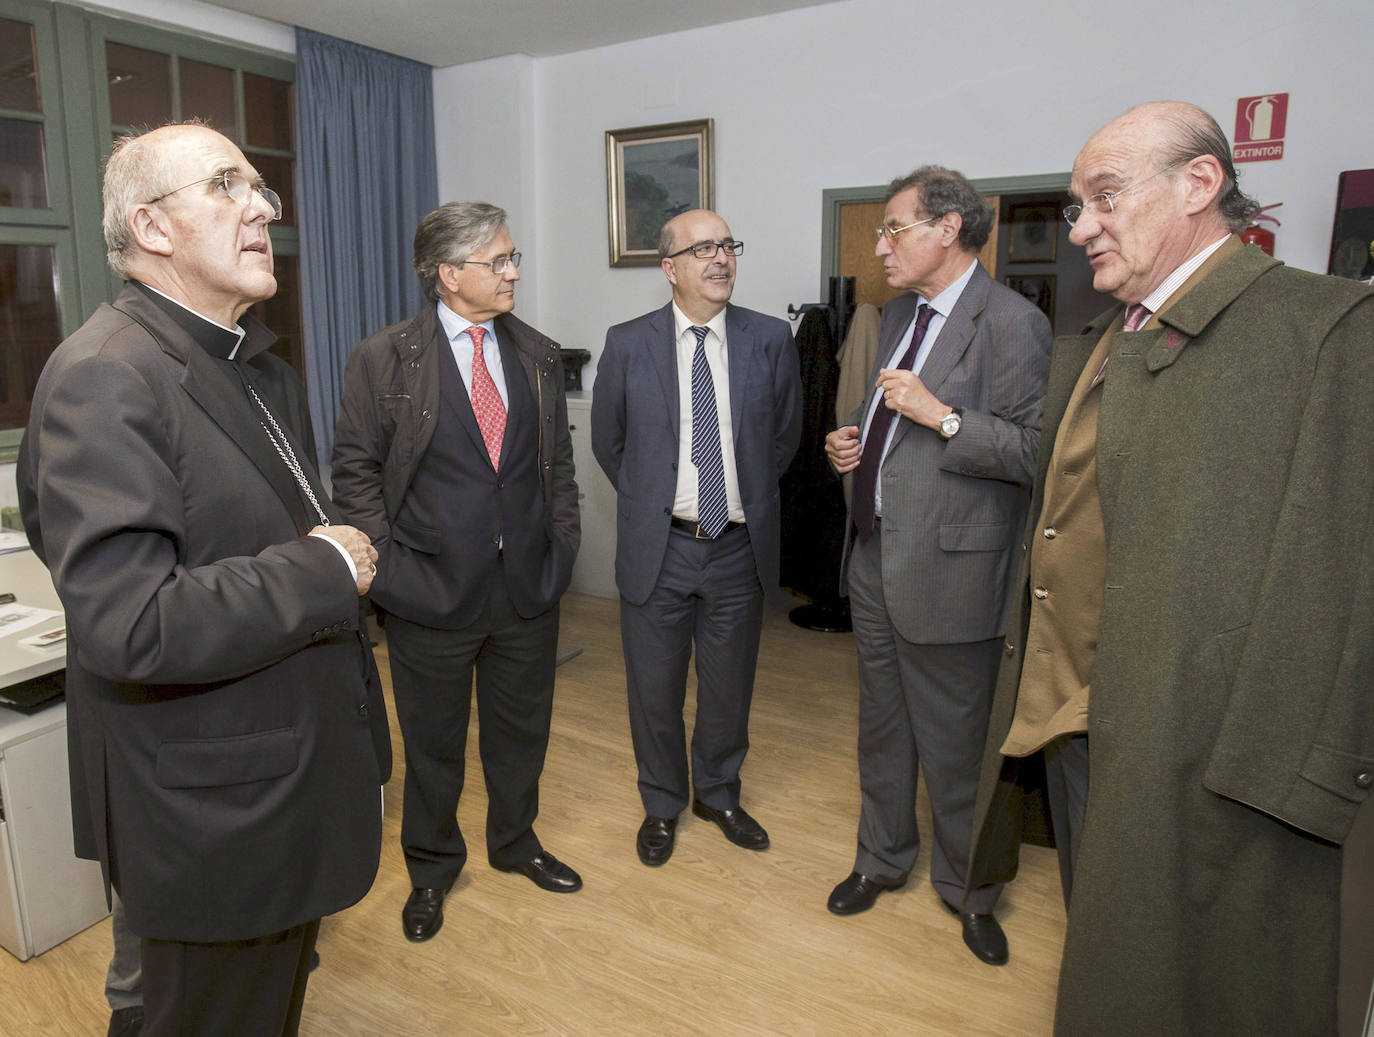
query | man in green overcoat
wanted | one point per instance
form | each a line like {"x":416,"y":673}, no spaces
{"x":1191,"y":640}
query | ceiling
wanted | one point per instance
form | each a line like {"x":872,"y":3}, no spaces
{"x":445,"y":32}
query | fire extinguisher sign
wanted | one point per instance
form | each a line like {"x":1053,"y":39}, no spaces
{"x":1260,"y":125}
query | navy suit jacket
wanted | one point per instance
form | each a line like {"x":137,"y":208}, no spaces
{"x":635,"y":419}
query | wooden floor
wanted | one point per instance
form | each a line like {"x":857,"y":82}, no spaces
{"x":718,"y":941}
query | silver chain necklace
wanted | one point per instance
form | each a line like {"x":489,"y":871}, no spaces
{"x":288,"y":456}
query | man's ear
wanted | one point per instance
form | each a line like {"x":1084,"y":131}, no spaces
{"x":448,"y":277}
{"x":1203,"y":177}
{"x":669,"y":270}
{"x":950,"y":225}
{"x":151,"y":229}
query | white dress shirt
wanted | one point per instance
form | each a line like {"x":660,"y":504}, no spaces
{"x":685,"y":500}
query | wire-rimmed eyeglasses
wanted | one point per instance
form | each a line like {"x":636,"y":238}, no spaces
{"x":708,"y":249}
{"x":1105,"y":203}
{"x":236,"y":186}
{"x":498,"y":265}
{"x":891,"y":232}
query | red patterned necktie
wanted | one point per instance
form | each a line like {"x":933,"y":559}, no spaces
{"x":1136,"y":315}
{"x":486,"y":400}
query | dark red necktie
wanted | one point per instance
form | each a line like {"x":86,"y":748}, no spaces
{"x":871,"y":460}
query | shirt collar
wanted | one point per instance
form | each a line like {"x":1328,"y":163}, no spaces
{"x":211,"y":336}
{"x":944,"y":302}
{"x":682,"y":322}
{"x":1174,"y":281}
{"x":455,"y":324}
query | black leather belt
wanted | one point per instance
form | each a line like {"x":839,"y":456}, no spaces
{"x":693,"y":529}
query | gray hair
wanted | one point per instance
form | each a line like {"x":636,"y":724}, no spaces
{"x":450,"y":234}
{"x":944,"y":191}
{"x":665,"y":242}
{"x":1194,"y":133}
{"x":138,"y":170}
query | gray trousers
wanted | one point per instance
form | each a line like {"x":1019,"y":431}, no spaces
{"x":923,"y":706}
{"x":124,"y":978}
{"x":1066,"y":785}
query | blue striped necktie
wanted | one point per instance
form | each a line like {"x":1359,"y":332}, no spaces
{"x":712,"y":509}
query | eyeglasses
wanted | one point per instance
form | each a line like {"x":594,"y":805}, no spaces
{"x":1105,"y":203}
{"x":498,"y":265}
{"x":708,"y":249}
{"x":891,"y":232}
{"x":232,"y":183}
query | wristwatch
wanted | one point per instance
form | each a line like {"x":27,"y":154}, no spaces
{"x":950,"y":423}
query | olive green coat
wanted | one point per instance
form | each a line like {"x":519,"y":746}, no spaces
{"x":1231,"y":723}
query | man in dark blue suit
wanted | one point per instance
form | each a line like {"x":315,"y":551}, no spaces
{"x":696,"y":413}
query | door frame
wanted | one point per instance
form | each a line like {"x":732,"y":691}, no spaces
{"x":832,"y":198}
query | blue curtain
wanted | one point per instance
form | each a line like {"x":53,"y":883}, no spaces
{"x":367,"y":177}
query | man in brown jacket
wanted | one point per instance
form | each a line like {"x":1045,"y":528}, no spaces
{"x":1195,"y":607}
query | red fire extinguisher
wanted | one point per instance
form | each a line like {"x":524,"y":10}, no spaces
{"x":1262,"y":236}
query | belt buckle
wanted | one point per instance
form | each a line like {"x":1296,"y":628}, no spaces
{"x":699,"y":535}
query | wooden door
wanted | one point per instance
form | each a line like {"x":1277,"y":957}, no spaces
{"x":859,"y":222}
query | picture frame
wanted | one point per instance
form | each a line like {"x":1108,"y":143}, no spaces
{"x":653,"y":173}
{"x":1038,"y":288}
{"x":1034,"y":230}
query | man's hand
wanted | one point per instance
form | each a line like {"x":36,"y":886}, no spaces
{"x":843,"y":447}
{"x":905,"y":393}
{"x":359,"y":548}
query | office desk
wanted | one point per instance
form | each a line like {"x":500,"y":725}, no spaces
{"x":46,"y":893}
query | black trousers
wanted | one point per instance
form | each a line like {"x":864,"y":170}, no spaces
{"x":432,"y":673}
{"x":241,"y":988}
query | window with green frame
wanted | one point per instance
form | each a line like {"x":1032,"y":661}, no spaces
{"x":71,"y":81}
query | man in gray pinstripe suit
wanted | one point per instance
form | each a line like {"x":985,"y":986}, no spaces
{"x":943,"y":451}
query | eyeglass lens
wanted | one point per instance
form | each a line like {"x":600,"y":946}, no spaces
{"x":708,"y":249}
{"x":238,"y":189}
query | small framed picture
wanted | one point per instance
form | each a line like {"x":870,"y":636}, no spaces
{"x":652,"y":174}
{"x":1038,"y":288}
{"x":1034,"y":229}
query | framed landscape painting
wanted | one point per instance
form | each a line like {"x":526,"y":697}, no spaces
{"x":653,"y":173}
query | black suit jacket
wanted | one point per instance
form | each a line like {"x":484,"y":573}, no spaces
{"x":227,"y":741}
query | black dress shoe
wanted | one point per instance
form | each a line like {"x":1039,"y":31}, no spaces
{"x":982,"y":934}
{"x":547,"y":872}
{"x":126,"y":1022}
{"x":655,"y":839}
{"x":423,"y":915}
{"x":738,"y":826}
{"x":857,"y":893}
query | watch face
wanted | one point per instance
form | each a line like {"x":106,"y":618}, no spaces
{"x":950,"y":425}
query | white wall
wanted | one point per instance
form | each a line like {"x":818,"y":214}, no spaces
{"x":485,"y":143}
{"x":856,"y":92}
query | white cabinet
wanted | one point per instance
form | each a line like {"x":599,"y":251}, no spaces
{"x":46,"y":893}
{"x":594,"y":572}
